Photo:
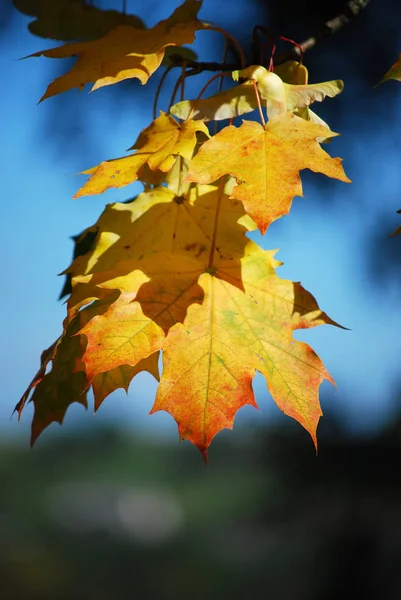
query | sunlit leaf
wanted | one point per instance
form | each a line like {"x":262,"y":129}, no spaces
{"x":266,"y":163}
{"x":228,"y":104}
{"x":210,"y":360}
{"x":157,"y":147}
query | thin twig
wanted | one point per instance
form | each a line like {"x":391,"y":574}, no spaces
{"x":213,"y":27}
{"x":220,"y":84}
{"x":175,"y":90}
{"x":204,"y":89}
{"x":159,"y":89}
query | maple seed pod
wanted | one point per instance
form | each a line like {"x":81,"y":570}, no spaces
{"x":270,"y":87}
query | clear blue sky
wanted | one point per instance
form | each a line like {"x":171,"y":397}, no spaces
{"x":323,"y":243}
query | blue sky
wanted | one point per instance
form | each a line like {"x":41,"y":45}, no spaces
{"x":323,"y":243}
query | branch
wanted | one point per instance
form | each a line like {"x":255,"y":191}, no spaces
{"x":330,"y":27}
{"x":197,"y":67}
{"x":351,"y":10}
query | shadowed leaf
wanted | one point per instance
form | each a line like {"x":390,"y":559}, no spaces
{"x":124,"y":52}
{"x":67,"y":20}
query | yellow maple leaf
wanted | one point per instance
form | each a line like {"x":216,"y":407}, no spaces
{"x":265,"y":162}
{"x":209,"y":361}
{"x":124,"y":52}
{"x":157,"y":223}
{"x":157,"y":277}
{"x":157,"y":147}
{"x":228,"y":104}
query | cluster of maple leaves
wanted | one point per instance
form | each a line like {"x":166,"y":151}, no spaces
{"x":173,"y":270}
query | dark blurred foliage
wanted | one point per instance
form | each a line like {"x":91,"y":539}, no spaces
{"x":383,"y":251}
{"x":6,"y":10}
{"x":101,"y":516}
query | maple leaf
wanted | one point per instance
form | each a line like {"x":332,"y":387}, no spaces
{"x":393,"y":73}
{"x":156,"y":273}
{"x":62,"y":386}
{"x":157,"y":147}
{"x":266,"y":162}
{"x":160,"y":221}
{"x":46,"y":357}
{"x":209,"y":361}
{"x":72,"y":19}
{"x":228,"y":104}
{"x":124,"y":52}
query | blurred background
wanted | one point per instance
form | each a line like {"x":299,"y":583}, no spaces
{"x":112,"y":505}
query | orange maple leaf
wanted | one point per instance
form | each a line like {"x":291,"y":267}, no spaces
{"x":209,"y":361}
{"x":265,"y":162}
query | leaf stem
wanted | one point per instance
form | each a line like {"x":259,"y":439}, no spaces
{"x":241,"y":55}
{"x":183,"y":69}
{"x":159,"y":89}
{"x":220,"y":85}
{"x":255,"y":87}
{"x":175,"y":90}
{"x":298,"y":46}
{"x":205,"y":87}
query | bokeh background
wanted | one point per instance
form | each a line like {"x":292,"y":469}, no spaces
{"x":111,"y":505}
